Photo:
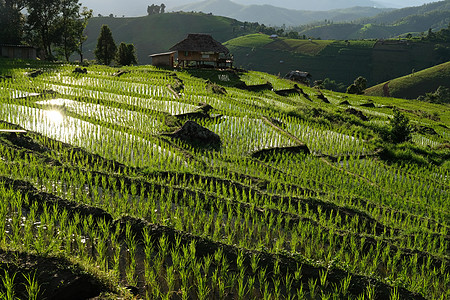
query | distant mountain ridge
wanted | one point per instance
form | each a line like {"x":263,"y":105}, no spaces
{"x":277,"y":16}
{"x":317,"y":5}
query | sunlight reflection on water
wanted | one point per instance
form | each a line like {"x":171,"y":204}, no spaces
{"x":112,"y":144}
{"x":55,"y":117}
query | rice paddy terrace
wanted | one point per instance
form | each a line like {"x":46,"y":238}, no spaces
{"x":300,"y":199}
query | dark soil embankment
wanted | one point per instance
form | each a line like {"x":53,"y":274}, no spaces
{"x":256,"y":87}
{"x":57,"y":277}
{"x":273,"y":152}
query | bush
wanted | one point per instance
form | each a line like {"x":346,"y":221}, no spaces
{"x":352,"y":89}
{"x":441,"y":95}
{"x":358,"y":86}
{"x":400,"y":129}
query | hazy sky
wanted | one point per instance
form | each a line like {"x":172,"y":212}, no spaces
{"x":139,"y":7}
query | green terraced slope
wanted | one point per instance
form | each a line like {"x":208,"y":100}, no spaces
{"x":186,"y":184}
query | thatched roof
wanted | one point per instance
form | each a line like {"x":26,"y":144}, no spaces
{"x":162,"y":54}
{"x":200,"y":43}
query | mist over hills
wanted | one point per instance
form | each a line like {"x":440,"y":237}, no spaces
{"x":277,"y":16}
{"x":333,"y":4}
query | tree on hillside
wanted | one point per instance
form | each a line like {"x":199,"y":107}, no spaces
{"x":11,"y":21}
{"x":86,"y":14}
{"x":70,"y":24}
{"x":106,"y":47}
{"x":156,"y":9}
{"x":442,"y":35}
{"x":126,"y":55}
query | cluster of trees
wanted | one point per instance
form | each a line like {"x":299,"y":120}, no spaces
{"x":441,"y":95}
{"x":107,"y":51}
{"x":442,"y":35}
{"x":55,"y":27}
{"x":11,"y":21}
{"x":156,"y":9}
{"x":329,"y":84}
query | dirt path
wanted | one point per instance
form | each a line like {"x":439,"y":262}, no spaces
{"x":386,"y":91}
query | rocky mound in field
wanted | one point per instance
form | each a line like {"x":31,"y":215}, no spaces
{"x":357,"y":113}
{"x":201,"y":112}
{"x":80,"y":71}
{"x":256,"y":87}
{"x":197,"y":135}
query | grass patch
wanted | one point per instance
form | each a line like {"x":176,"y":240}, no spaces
{"x":251,"y":40}
{"x":305,"y":47}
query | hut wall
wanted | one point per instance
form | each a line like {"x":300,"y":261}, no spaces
{"x":18,"y":52}
{"x":197,"y":56}
{"x":163,"y":60}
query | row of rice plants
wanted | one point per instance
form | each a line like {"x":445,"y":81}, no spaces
{"x":322,"y":140}
{"x":272,"y":233}
{"x":413,"y":185}
{"x":169,"y":106}
{"x":119,"y":86}
{"x":339,"y":184}
{"x":241,"y":136}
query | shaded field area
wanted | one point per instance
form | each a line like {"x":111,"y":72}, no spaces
{"x":416,"y":84}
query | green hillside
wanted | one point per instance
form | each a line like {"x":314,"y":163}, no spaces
{"x":377,"y":61}
{"x":414,"y":85}
{"x":158,"y":184}
{"x":157,"y":33}
{"x":397,"y":15}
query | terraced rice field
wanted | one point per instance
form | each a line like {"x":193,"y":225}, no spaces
{"x":297,"y":202}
